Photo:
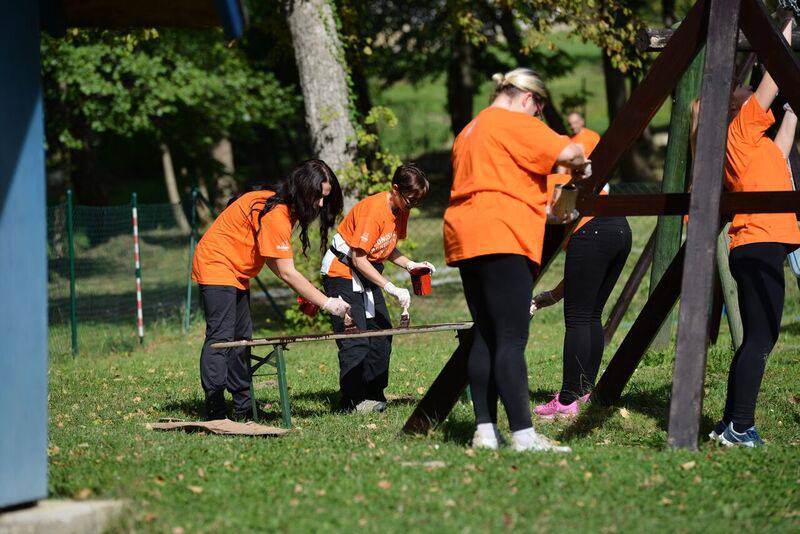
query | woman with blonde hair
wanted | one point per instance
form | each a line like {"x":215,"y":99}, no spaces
{"x":493,"y":233}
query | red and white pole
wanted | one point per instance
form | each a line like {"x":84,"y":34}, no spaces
{"x":138,"y":267}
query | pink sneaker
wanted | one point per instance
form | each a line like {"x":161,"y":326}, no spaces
{"x":555,"y":409}
{"x":584,"y":399}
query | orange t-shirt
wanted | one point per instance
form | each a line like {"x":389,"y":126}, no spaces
{"x":497,"y":202}
{"x":230,"y":253}
{"x":555,"y":179}
{"x":372,"y":227}
{"x":586,"y":138}
{"x":753,"y":162}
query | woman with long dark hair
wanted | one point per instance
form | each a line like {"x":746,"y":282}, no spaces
{"x":493,"y":233}
{"x":254,"y":230}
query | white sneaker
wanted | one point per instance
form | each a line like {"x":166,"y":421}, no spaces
{"x":482,"y":442}
{"x":369,"y":406}
{"x":529,"y":440}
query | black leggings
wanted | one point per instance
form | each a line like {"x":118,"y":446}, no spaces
{"x":596,"y":255}
{"x":498,"y":288}
{"x":758,"y":271}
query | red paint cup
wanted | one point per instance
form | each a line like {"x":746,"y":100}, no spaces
{"x":307,"y":307}
{"x":421,"y":280}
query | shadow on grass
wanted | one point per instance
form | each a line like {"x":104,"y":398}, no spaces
{"x":653,"y":404}
{"x":791,"y":329}
{"x":458,"y":431}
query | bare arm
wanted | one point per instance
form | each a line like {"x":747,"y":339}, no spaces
{"x":363,"y":266}
{"x":785,"y":136}
{"x":398,"y":259}
{"x":285,"y":270}
{"x":768,"y":89}
{"x":572,"y":156}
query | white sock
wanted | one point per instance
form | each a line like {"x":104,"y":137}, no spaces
{"x":487,"y":431}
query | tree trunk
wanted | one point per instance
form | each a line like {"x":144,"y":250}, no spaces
{"x":460,"y":84}
{"x":668,"y":12}
{"x":323,"y":78}
{"x":634,"y":166}
{"x":172,"y":189}
{"x":225,"y":183}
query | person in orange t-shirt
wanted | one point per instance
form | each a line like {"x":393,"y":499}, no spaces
{"x":582,"y":135}
{"x":352,"y":268}
{"x":256,"y":229}
{"x":760,"y":243}
{"x":493,"y":233}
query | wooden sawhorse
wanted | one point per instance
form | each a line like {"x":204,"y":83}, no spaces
{"x":281,"y":344}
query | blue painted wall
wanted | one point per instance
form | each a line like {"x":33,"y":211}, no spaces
{"x":23,"y":260}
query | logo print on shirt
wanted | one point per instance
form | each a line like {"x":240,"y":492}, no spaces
{"x":365,"y":237}
{"x":283,"y":246}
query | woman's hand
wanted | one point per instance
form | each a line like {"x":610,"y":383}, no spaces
{"x":402,"y":295}
{"x":336,"y":306}
{"x":411,"y":265}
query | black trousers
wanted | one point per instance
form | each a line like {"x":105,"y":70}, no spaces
{"x":227,"y":313}
{"x":596,"y":255}
{"x":758,"y":271}
{"x":363,"y":362}
{"x":497,"y":288}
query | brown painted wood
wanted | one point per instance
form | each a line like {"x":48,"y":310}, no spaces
{"x":445,"y":391}
{"x":305,"y":338}
{"x":772,"y":50}
{"x":696,"y":287}
{"x":648,"y":97}
{"x":678,"y":204}
{"x":630,"y":352}
{"x":655,"y":39}
{"x":629,"y":290}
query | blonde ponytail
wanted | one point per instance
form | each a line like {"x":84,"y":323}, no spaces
{"x":519,"y":80}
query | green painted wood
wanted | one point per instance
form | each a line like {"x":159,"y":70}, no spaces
{"x":729,"y":292}
{"x":669,"y":229}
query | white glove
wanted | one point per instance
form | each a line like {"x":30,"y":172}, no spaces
{"x":411,"y":265}
{"x":336,"y":306}
{"x":402,"y":295}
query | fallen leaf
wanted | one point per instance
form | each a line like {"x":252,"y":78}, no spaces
{"x":177,"y":530}
{"x":196,"y":489}
{"x":624,"y":413}
{"x":372,"y":426}
{"x":794,"y":399}
{"x":159,"y":480}
{"x":83,"y":445}
{"x":470,"y":452}
{"x":384,"y":484}
{"x":201,"y":472}
{"x":83,"y":494}
{"x":587,"y":475}
{"x":563,"y":463}
{"x":137,"y":400}
{"x":421,"y":390}
{"x":298,"y":488}
{"x":666,"y":502}
{"x":688,"y":465}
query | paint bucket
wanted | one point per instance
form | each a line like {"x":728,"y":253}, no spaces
{"x":307,"y":307}
{"x":421,"y":280}
{"x":562,"y":205}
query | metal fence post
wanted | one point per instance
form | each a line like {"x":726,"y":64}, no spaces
{"x":73,"y":299}
{"x":138,"y":269}
{"x":192,"y":240}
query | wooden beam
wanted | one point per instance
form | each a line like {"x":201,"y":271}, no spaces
{"x":772,"y":50}
{"x":648,"y":97}
{"x":669,"y":230}
{"x":630,"y":352}
{"x":655,"y":39}
{"x":696,"y":287}
{"x":678,"y":204}
{"x":443,"y":394}
{"x":629,"y":290}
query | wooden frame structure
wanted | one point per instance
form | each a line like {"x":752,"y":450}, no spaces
{"x":715,"y":24}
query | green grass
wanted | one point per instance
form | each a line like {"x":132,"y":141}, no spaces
{"x":349,"y":472}
{"x":424,"y":125}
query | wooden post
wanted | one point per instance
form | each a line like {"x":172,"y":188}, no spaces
{"x":690,"y":357}
{"x":670,"y":228}
{"x":629,"y":291}
{"x":729,"y":293}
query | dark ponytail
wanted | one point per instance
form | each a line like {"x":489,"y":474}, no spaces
{"x":301,"y":192}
